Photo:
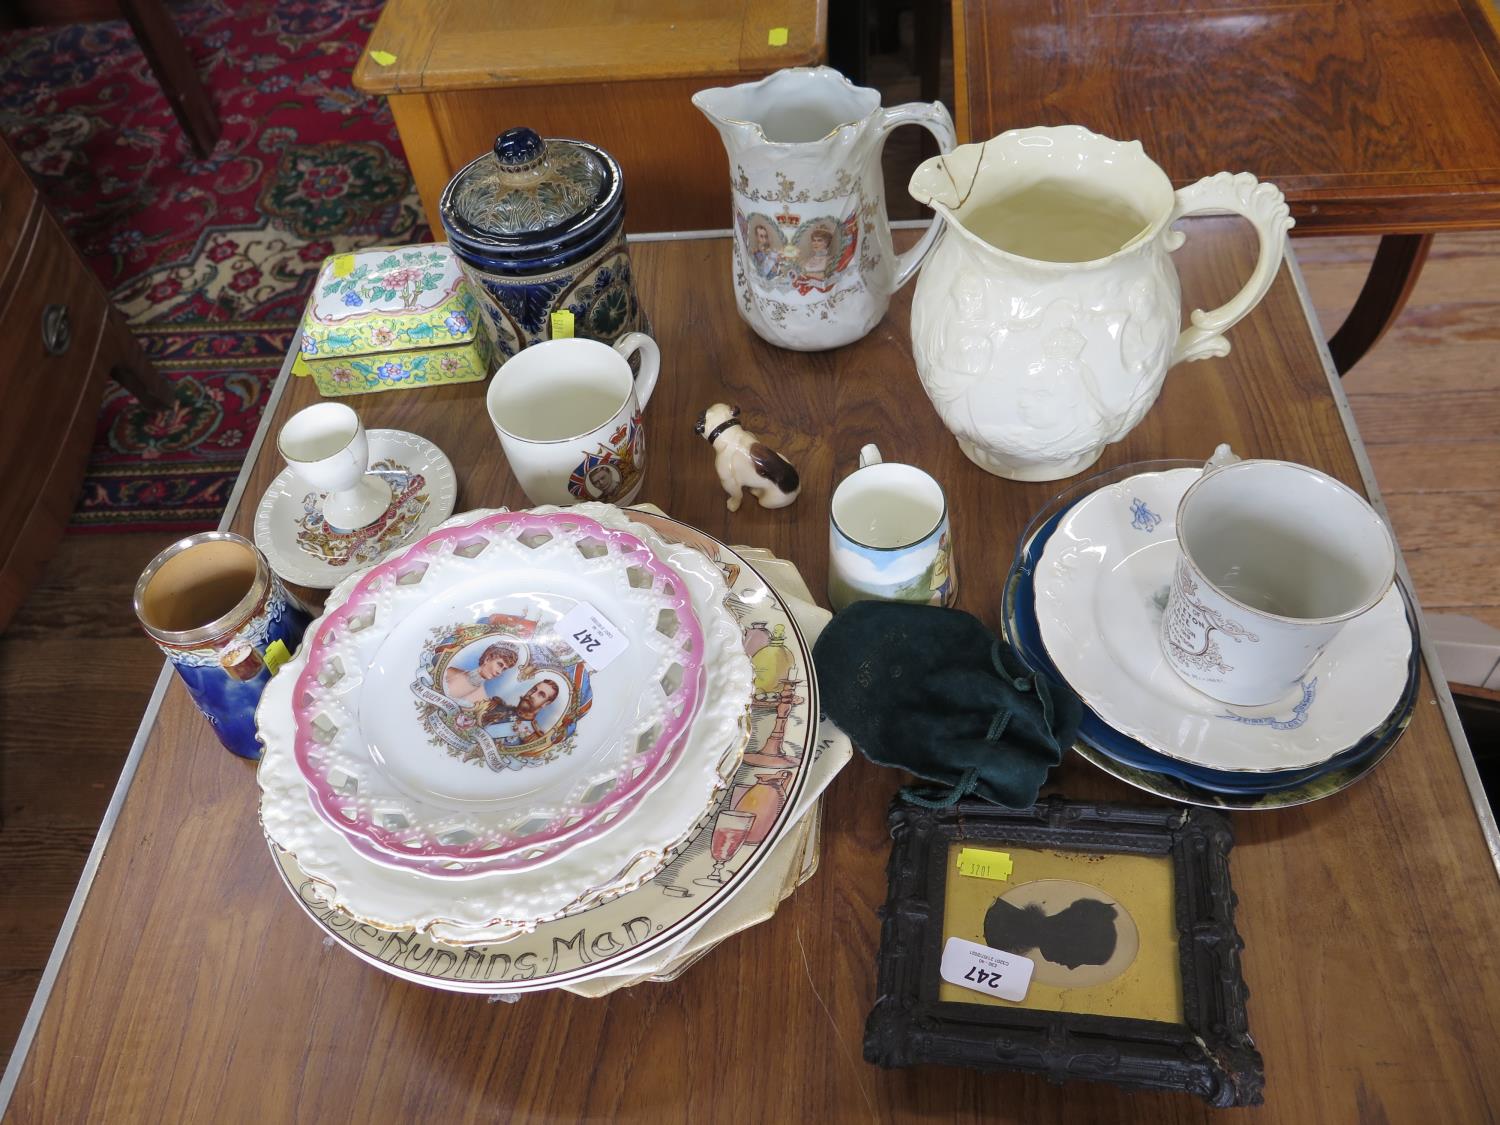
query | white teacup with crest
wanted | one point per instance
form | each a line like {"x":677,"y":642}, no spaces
{"x":568,"y":414}
{"x":1275,"y":558}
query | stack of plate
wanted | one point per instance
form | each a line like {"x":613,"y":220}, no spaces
{"x":1084,"y":602}
{"x":545,"y":748}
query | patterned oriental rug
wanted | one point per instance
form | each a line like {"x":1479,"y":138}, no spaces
{"x":211,"y":260}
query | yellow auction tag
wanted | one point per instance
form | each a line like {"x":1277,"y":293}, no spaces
{"x":562,"y":324}
{"x":343,"y":265}
{"x":982,"y":863}
{"x":276,"y":656}
{"x":777,"y":37}
{"x":384,"y":58}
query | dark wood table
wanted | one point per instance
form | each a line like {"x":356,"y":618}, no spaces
{"x":193,"y":988}
{"x":1373,"y":117}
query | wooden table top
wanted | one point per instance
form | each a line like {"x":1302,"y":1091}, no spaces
{"x":439,"y":45}
{"x":1377,"y":117}
{"x":194,"y":987}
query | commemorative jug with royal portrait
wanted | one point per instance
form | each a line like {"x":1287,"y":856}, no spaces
{"x":814,"y":267}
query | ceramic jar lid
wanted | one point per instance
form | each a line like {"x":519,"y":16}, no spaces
{"x":533,"y":203}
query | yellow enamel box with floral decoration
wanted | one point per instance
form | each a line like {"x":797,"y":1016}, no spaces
{"x":392,"y":317}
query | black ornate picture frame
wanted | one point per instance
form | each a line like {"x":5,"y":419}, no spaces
{"x":1210,"y":1053}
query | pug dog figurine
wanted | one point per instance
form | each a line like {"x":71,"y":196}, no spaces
{"x":743,"y":461}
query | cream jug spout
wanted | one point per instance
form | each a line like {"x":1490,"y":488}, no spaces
{"x":945,"y":182}
{"x":798,"y":107}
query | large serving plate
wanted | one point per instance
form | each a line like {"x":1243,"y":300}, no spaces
{"x":1100,"y":587}
{"x":620,"y":856}
{"x":787,"y":744}
{"x":412,"y":712}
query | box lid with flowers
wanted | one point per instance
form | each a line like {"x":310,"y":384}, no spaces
{"x":388,"y":317}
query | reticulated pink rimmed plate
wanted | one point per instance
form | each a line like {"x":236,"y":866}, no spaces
{"x":445,"y":724}
{"x":617,"y":928}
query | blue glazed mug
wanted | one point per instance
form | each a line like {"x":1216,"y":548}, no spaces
{"x":889,"y":536}
{"x":212,"y":605}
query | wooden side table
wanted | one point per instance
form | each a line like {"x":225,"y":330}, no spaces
{"x":188,"y":983}
{"x":457,"y":74}
{"x":1373,"y":118}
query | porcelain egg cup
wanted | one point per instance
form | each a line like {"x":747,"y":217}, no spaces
{"x":326,"y":445}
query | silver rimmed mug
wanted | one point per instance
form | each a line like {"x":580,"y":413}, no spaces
{"x":212,"y":605}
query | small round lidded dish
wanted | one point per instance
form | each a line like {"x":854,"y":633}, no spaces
{"x":538,"y":226}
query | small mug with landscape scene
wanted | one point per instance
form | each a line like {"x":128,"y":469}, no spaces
{"x":889,"y":536}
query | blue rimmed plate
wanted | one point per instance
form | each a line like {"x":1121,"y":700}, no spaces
{"x":1144,"y":766}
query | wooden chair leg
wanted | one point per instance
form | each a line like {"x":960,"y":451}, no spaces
{"x":173,"y":66}
{"x":1393,"y":275}
{"x":134,"y":371}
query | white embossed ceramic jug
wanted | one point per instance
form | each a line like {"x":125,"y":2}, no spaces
{"x":1046,"y":319}
{"x":813,"y":262}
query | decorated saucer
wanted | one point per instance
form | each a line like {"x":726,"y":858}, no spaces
{"x":1135,"y":764}
{"x":303,"y":547}
{"x":1099,"y":588}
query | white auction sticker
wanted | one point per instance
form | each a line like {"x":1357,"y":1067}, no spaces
{"x":589,"y":634}
{"x":968,"y":965}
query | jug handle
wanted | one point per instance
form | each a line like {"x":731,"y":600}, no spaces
{"x":932,"y":116}
{"x":1265,"y":207}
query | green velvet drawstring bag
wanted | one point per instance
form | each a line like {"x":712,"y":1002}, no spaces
{"x":932,"y":691}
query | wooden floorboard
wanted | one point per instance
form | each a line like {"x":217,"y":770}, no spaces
{"x":75,"y":676}
{"x":16,"y":989}
{"x":1437,"y":466}
{"x":1427,"y":401}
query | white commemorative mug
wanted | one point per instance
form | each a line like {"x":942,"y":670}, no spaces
{"x":1274,"y":559}
{"x":568,"y":413}
{"x":888,"y":537}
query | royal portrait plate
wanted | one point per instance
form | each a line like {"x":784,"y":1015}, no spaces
{"x":579,"y":868}
{"x":790,"y":758}
{"x":1099,"y":586}
{"x":502,"y":690}
{"x":303,"y":547}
